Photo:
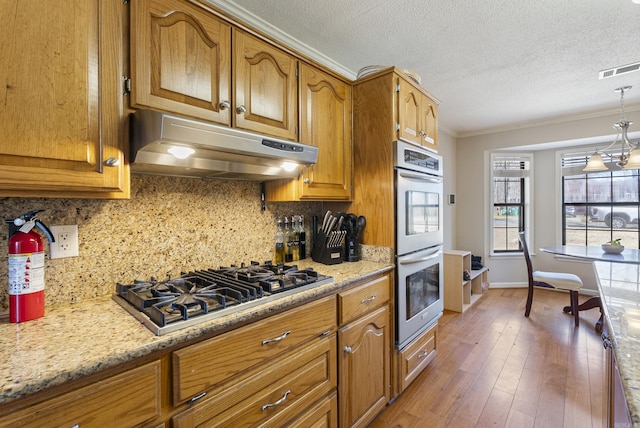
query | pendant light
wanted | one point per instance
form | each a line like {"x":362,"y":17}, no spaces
{"x":629,"y":153}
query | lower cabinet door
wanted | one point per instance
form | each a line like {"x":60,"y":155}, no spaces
{"x":276,"y":393}
{"x":363,"y":368}
{"x":125,"y":400}
{"x":417,"y":355}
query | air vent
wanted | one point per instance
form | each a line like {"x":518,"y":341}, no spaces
{"x":617,"y":71}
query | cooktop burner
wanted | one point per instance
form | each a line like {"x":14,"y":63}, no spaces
{"x":173,"y":303}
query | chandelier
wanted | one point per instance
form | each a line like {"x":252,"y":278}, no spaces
{"x":629,"y":157}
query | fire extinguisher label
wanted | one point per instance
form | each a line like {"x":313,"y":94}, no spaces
{"x":26,"y":273}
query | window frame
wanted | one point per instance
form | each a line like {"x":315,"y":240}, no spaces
{"x":525,"y":204}
{"x":573,"y":168}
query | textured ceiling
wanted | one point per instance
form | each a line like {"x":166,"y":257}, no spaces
{"x":493,"y":64}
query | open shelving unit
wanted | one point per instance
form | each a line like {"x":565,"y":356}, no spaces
{"x":461,"y":293}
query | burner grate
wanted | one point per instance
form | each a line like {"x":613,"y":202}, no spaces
{"x":199,"y":295}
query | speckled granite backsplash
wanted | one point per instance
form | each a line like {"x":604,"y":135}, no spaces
{"x":169,"y":224}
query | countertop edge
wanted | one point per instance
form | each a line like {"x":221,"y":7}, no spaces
{"x":69,"y":343}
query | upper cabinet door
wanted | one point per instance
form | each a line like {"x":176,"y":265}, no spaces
{"x":325,"y":112}
{"x":429,"y":123}
{"x":265,"y":87}
{"x":409,"y":113}
{"x":61,"y":102}
{"x":180,"y":60}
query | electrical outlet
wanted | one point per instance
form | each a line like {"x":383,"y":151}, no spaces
{"x":66,"y":241}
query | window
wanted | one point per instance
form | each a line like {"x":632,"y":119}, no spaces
{"x":599,"y":206}
{"x":510,"y":190}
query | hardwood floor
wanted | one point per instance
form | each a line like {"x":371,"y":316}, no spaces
{"x":497,"y":368}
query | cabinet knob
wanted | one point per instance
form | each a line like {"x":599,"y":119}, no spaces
{"x":347,"y":349}
{"x":306,"y":181}
{"x":225,"y":105}
{"x":112,"y":162}
{"x":241,"y":109}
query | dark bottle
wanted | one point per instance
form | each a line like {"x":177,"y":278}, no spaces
{"x":280,"y":250}
{"x":302,"y":238}
{"x":288,"y":242}
{"x":295,"y":237}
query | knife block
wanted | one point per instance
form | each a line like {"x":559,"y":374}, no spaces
{"x":321,"y":253}
{"x":352,"y":250}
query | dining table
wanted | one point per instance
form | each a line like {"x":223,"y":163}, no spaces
{"x":618,"y":278}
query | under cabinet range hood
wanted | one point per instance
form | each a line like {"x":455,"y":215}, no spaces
{"x":167,"y":144}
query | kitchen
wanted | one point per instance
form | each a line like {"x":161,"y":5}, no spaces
{"x":157,"y":227}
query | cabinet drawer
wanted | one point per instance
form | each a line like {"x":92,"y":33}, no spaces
{"x":362,"y":299}
{"x":202,"y":366}
{"x":417,"y":355}
{"x":276,"y":393}
{"x":323,"y":414}
{"x":127,"y":399}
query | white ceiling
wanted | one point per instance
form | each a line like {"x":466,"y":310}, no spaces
{"x":493,"y":64}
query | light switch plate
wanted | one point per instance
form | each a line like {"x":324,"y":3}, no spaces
{"x":66,"y":241}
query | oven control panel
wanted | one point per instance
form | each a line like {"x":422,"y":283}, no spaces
{"x":413,"y":157}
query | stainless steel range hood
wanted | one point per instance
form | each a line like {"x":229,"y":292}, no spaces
{"x":217,"y":151}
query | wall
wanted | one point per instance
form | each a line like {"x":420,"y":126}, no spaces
{"x":473,"y":193}
{"x":447,"y":149}
{"x":169,"y":225}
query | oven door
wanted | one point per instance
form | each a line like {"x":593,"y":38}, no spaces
{"x":419,"y":292}
{"x":419,"y":210}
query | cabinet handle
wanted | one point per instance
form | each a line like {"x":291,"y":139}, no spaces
{"x":241,"y":109}
{"x":423,"y":354}
{"x":606,"y":342}
{"x":197,"y":397}
{"x":347,"y":349}
{"x":225,"y":105}
{"x":277,"y":403}
{"x":370,"y":299}
{"x":112,"y":162}
{"x":277,"y":339}
{"x":306,"y":181}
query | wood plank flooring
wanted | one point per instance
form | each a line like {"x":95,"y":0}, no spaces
{"x":496,"y":368}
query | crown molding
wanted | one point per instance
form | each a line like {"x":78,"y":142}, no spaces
{"x":241,"y":14}
{"x":546,"y":122}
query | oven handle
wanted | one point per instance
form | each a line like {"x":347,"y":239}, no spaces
{"x":421,"y":259}
{"x":421,"y":177}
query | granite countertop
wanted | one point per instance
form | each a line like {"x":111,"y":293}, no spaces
{"x":83,"y":338}
{"x":619,"y":286}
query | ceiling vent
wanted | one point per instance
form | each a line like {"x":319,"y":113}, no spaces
{"x":617,"y":71}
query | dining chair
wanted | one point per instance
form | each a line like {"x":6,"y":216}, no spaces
{"x":557,"y":280}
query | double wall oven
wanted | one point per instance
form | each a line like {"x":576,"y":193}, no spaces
{"x":419,"y":240}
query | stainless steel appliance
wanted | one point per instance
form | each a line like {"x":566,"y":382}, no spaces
{"x":419,"y":239}
{"x":203,"y":295}
{"x":167,"y":144}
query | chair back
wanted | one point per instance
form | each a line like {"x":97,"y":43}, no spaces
{"x":527,"y":257}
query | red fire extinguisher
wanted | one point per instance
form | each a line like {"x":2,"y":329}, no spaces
{"x":26,"y":267}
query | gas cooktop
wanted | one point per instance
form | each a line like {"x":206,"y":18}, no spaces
{"x":194,"y":297}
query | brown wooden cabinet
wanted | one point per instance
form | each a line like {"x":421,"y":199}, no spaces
{"x":265,"y":87}
{"x":61,"y":106}
{"x":417,"y":115}
{"x":180,"y":60}
{"x":188,"y":61}
{"x":128,"y":399}
{"x":616,"y":409}
{"x":270,"y":372}
{"x":325,"y":122}
{"x":364,"y":352}
{"x":414,"y":357}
